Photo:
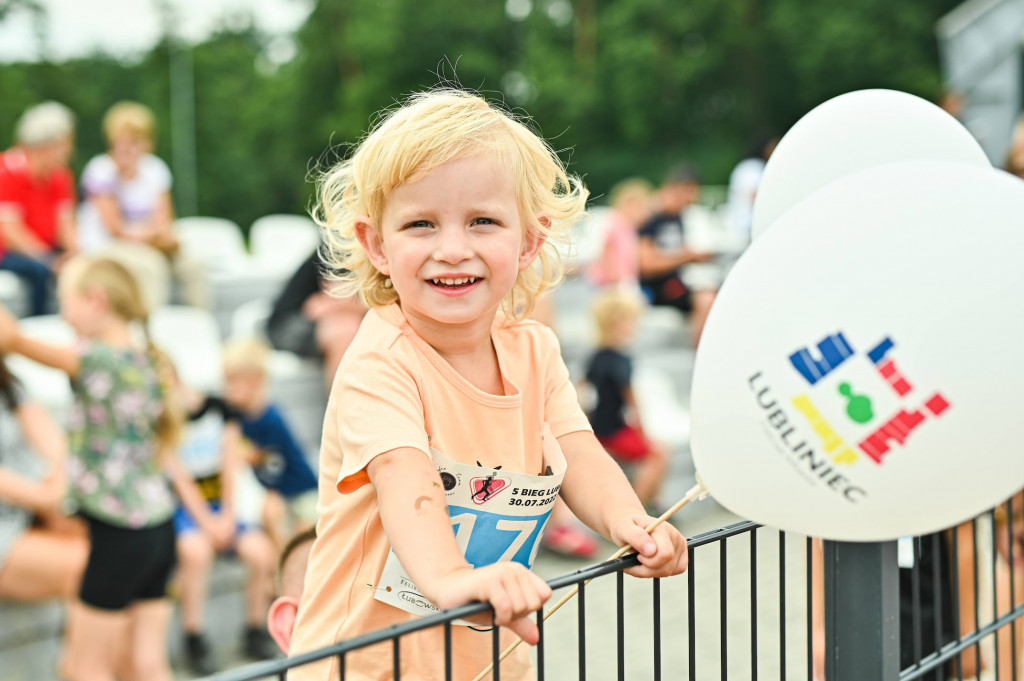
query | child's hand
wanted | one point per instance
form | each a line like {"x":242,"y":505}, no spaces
{"x":51,"y":491}
{"x":662,"y":552}
{"x":513,"y":591}
{"x":221,"y":530}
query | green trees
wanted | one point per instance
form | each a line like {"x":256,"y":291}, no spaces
{"x":621,"y":87}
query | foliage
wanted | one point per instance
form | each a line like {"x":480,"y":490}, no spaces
{"x":620,"y":88}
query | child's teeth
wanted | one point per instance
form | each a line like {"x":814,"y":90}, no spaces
{"x":455,"y":282}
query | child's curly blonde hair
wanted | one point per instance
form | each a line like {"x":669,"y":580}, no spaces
{"x":431,"y":129}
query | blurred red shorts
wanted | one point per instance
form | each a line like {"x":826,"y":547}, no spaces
{"x":627,"y":443}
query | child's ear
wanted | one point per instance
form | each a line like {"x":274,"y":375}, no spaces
{"x":533,"y":240}
{"x":371,"y":241}
{"x":281,"y":621}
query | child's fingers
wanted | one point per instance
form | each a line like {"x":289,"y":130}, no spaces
{"x":526,"y":629}
{"x":634,"y":534}
{"x":671,"y":557}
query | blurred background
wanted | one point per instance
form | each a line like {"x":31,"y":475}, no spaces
{"x":252,"y":94}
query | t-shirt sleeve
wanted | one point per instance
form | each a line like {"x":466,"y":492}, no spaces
{"x":379,"y":408}
{"x":649,"y":229}
{"x":562,"y":410}
{"x":99,"y":177}
{"x":94,"y":358}
{"x":160,"y":174}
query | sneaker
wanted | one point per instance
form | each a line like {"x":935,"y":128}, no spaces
{"x":198,"y":656}
{"x":258,"y":644}
{"x":570,"y":541}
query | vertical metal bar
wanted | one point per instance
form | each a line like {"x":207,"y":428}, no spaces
{"x":1013,"y":595}
{"x":620,"y":619}
{"x":341,"y":666}
{"x":782,"y":606}
{"x":540,"y":645}
{"x":810,"y":608}
{"x":691,"y":616}
{"x":657,"y":629}
{"x":862,"y":611}
{"x":977,"y":599}
{"x":282,"y":675}
{"x":448,"y":650}
{"x":753,"y":604}
{"x":955,"y":550}
{"x":496,"y":648}
{"x":915,"y":597}
{"x":995,"y":588}
{"x":396,"y":658}
{"x":723,"y":604}
{"x":938,"y":565}
{"x":582,"y":638}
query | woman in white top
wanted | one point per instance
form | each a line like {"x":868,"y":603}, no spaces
{"x":128,"y":212}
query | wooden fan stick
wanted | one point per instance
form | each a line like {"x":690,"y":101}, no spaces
{"x":696,"y":493}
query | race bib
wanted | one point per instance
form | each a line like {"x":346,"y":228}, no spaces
{"x":496,"y":515}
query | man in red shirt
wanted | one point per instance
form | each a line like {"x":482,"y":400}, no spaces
{"x":37,"y":200}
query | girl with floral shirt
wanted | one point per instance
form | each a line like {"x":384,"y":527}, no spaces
{"x":123,"y":430}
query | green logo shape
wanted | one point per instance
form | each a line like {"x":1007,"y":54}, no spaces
{"x":859,"y":406}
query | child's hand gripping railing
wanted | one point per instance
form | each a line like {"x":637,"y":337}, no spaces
{"x":696,"y":493}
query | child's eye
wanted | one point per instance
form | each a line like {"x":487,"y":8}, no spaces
{"x":417,"y":224}
{"x":483,"y":221}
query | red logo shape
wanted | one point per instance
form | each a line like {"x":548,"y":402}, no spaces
{"x":485,"y":489}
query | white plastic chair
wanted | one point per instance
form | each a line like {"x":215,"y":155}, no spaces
{"x":249,"y":320}
{"x":280,"y":243}
{"x":13,"y":293}
{"x":216,"y":242}
{"x":45,"y":385}
{"x":191,"y":337}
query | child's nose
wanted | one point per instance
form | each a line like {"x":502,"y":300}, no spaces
{"x":452,"y":246}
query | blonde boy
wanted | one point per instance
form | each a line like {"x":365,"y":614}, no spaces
{"x":615,"y":417}
{"x":271,"y":448}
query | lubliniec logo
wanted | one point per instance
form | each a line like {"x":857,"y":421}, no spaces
{"x":854,"y":428}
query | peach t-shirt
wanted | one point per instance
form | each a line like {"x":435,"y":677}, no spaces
{"x":393,"y":390}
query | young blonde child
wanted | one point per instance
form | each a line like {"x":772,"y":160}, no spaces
{"x":269,"y":445}
{"x":449,"y":410}
{"x":615,"y":416}
{"x":123,"y":428}
{"x":211,"y":451}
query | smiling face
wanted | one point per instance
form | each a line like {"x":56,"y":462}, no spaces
{"x":453,"y":243}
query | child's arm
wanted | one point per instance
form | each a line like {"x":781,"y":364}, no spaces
{"x":57,"y":356}
{"x":632,"y":410}
{"x":414,"y":513}
{"x":600,"y":495}
{"x":232,"y":457}
{"x":220,"y":529}
{"x":43,"y":435}
{"x":46,"y":439}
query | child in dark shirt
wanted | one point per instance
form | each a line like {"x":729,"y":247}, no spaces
{"x":615,"y":418}
{"x":271,"y":448}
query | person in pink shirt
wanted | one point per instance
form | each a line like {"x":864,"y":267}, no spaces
{"x":630,"y":202}
{"x":452,"y":424}
{"x":37,"y":200}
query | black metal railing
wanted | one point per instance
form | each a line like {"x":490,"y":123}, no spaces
{"x":779,"y":575}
